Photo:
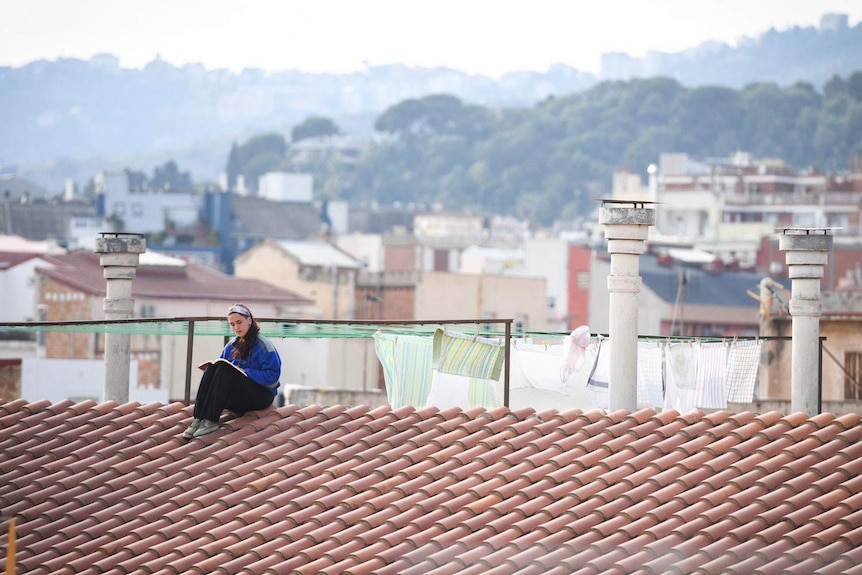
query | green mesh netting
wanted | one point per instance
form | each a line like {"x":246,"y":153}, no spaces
{"x":270,"y":327}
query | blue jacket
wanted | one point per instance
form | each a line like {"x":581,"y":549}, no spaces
{"x":263,"y":366}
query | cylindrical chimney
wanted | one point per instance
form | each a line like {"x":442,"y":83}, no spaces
{"x":626,"y":228}
{"x":119,"y":257}
{"x":807,"y":252}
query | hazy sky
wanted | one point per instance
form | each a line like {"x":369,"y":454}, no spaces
{"x":476,"y":36}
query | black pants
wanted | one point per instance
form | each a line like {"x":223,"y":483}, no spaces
{"x":222,"y":387}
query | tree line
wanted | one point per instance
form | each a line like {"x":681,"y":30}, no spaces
{"x":551,"y":160}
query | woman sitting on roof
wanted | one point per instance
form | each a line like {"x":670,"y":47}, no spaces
{"x":243,"y":378}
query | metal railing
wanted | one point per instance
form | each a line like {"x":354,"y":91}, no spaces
{"x":191,"y":327}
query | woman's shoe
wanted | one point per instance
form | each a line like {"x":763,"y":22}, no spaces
{"x":190,"y":430}
{"x":206,"y":426}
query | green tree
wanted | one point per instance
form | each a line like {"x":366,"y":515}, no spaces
{"x":558,"y":156}
{"x":234,"y":166}
{"x":436,"y":114}
{"x":257,"y":156}
{"x":314,"y":127}
{"x":707,"y":120}
{"x":770,"y":114}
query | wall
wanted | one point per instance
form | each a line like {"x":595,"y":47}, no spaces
{"x":841,"y":337}
{"x":78,"y":380}
{"x":286,"y":187}
{"x":18,"y":284}
{"x":152,"y":212}
{"x":441,"y":295}
{"x":269,"y":263}
{"x":328,"y":363}
{"x":333,"y":293}
{"x":386,"y":295}
{"x":550,"y":258}
{"x":10,"y":378}
{"x":579,"y":281}
{"x":62,"y":303}
{"x":400,"y":257}
{"x":745,"y":232}
{"x":367,"y":248}
{"x":693,"y":214}
{"x":651,"y":308}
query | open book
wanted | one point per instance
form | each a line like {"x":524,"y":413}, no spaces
{"x":206,"y":364}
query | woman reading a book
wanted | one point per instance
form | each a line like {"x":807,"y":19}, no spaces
{"x":243,"y":378}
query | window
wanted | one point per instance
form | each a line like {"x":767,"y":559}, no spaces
{"x":519,"y":325}
{"x":853,"y":375}
{"x":441,"y":260}
{"x":583,"y":281}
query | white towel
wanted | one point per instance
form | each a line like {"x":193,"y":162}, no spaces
{"x":650,"y":381}
{"x":599,"y":380}
{"x":711,"y":370}
{"x":538,"y":366}
{"x":742,"y":366}
{"x":681,"y":376}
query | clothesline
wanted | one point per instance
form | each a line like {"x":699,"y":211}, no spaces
{"x":421,"y":371}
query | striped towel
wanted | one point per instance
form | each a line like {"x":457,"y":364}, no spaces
{"x":472,"y":356}
{"x":406,"y":364}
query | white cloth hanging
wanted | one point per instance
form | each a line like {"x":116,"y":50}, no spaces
{"x":681,"y":375}
{"x":599,"y":380}
{"x":711,"y":370}
{"x":742,"y":366}
{"x":650,"y":380}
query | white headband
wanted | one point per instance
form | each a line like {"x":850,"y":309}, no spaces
{"x":240,"y":309}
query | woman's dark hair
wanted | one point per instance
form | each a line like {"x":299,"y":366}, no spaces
{"x":242,"y":346}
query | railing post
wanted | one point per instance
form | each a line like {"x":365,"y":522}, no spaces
{"x":190,"y":336}
{"x":506,"y":359}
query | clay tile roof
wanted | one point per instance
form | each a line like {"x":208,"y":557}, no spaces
{"x":108,"y":488}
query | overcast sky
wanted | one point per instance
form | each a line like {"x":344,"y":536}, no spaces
{"x":476,"y":36}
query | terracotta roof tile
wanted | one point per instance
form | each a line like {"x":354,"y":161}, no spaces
{"x":107,"y":488}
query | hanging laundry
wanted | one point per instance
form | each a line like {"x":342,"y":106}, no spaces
{"x":681,"y":375}
{"x":650,"y":380}
{"x":406,"y":364}
{"x":449,"y":390}
{"x":742,"y":366}
{"x":574,"y":351}
{"x":465,"y":370}
{"x":711,"y":370}
{"x":537,"y":365}
{"x":600,"y":375}
{"x":462,"y":354}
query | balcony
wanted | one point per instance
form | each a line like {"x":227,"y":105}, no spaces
{"x":850,"y":199}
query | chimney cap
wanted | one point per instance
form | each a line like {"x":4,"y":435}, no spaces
{"x":637,"y":204}
{"x":806,"y":231}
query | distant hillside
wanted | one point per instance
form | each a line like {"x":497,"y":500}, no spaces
{"x":63,"y":118}
{"x":809,"y":54}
